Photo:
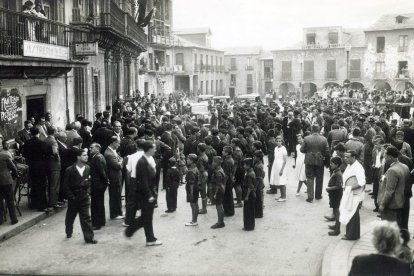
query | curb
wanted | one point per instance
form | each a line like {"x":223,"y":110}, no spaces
{"x":336,"y":257}
{"x":26,"y":225}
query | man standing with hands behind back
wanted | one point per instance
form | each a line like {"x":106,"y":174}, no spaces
{"x":316,"y":150}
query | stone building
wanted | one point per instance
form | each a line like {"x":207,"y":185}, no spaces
{"x":201,"y":66}
{"x":325,"y":57}
{"x":389,"y":56}
{"x":243,"y":66}
{"x":78,"y":59}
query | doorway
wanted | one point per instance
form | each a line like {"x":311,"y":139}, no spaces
{"x":35,"y":106}
{"x":231,"y":92}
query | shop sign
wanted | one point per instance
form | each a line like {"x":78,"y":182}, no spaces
{"x":43,"y":50}
{"x":10,"y":112}
{"x":86,"y":49}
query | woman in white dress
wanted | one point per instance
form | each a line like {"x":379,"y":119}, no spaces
{"x":300,"y":164}
{"x":278,"y":176}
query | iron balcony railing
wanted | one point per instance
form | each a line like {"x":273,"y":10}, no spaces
{"x":249,"y":68}
{"x":15,"y":27}
{"x":380,"y":75}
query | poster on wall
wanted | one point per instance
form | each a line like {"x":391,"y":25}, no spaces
{"x":10,"y":113}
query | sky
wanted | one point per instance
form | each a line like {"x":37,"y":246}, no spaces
{"x":274,"y":24}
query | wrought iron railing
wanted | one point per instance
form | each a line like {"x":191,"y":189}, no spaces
{"x":15,"y":27}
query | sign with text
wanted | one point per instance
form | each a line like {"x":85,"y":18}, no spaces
{"x":10,"y":113}
{"x":43,"y":50}
{"x":86,"y":49}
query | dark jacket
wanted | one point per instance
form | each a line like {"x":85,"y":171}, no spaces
{"x":6,"y":166}
{"x":145,"y":179}
{"x":316,"y":149}
{"x":86,"y":137}
{"x":99,"y":177}
{"x":36,"y":152}
{"x":75,"y":185}
{"x":377,"y":265}
{"x":127,"y":147}
{"x":22,"y":137}
{"x":391,"y":191}
{"x":114,"y":167}
{"x":53,"y":162}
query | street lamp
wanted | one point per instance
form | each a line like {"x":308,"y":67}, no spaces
{"x":301,"y":59}
{"x":347,"y":49}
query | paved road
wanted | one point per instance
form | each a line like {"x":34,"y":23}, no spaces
{"x":289,"y":240}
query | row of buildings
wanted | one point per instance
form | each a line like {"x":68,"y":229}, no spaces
{"x":87,"y":53}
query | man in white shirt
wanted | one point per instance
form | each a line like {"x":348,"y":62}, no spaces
{"x":354,"y":175}
{"x":131,"y":206}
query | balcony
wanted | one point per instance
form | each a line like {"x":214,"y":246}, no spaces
{"x":403,"y":48}
{"x":380,"y":76}
{"x":330,"y":75}
{"x":286,"y":76}
{"x":196,"y":67}
{"x":118,"y":23}
{"x":233,"y":68}
{"x":164,"y":41}
{"x":308,"y":75}
{"x":203,"y":67}
{"x":232,"y":83}
{"x":403,"y":75}
{"x":355,"y":74}
{"x":178,"y":68}
{"x":249,"y":68}
{"x":323,"y":46}
{"x":16,"y":29}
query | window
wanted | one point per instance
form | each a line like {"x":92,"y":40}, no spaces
{"x":167,"y":61}
{"x":207,"y":91}
{"x":308,"y":73}
{"x":286,"y":70}
{"x":268,"y":86}
{"x":380,"y":70}
{"x":403,"y":69}
{"x":249,"y":64}
{"x":179,"y":59}
{"x":232,"y":80}
{"x":207,"y":60}
{"x":330,"y":69}
{"x":233,"y":64}
{"x":212,"y":87}
{"x":221,"y":86}
{"x":268,"y":69}
{"x":249,"y":83}
{"x":201,"y":60}
{"x":380,"y":44}
{"x":311,"y":38}
{"x":355,"y":69}
{"x":333,"y":38}
{"x":217,"y":86}
{"x":403,"y":43}
{"x":195,"y":60}
{"x":201,"y":87}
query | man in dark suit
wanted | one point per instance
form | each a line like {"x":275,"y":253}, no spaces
{"x":97,"y":123}
{"x":171,"y":141}
{"x":24,"y":135}
{"x":316,"y":150}
{"x":99,"y":182}
{"x":391,"y":195}
{"x":114,"y":165}
{"x":85,"y":134}
{"x":53,"y":167}
{"x":145,"y":195}
{"x":77,"y":187}
{"x":36,"y":151}
{"x":102,"y":136}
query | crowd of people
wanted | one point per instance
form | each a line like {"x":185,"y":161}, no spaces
{"x":133,"y":146}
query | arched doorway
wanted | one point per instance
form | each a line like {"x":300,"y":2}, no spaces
{"x":382,"y":85}
{"x":356,"y":85}
{"x":309,"y":89}
{"x":286,"y":88}
{"x":403,"y":85}
{"x":330,"y":85}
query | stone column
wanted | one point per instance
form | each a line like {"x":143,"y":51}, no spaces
{"x":119,"y":78}
{"x":127,"y":75}
{"x":136,"y":76}
{"x":108,"y":78}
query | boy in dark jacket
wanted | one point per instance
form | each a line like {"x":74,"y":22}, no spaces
{"x":335,"y":193}
{"x":172,"y":183}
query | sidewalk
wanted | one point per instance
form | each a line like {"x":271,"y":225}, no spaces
{"x":338,"y":257}
{"x":27,"y":220}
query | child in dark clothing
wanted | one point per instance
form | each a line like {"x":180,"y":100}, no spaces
{"x":335,"y":193}
{"x":172,"y":183}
